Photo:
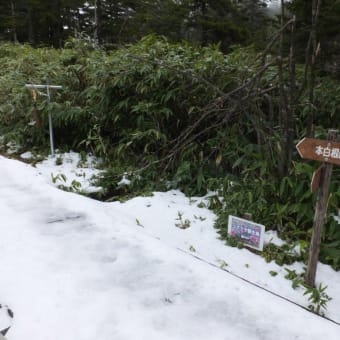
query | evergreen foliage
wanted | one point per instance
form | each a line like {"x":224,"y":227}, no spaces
{"x":114,"y":23}
{"x":327,"y":31}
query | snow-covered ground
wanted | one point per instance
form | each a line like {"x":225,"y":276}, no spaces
{"x":75,"y":268}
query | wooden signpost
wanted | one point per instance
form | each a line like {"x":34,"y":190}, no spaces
{"x":328,"y":152}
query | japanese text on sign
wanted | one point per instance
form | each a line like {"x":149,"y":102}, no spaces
{"x":319,"y":150}
{"x":327,"y":152}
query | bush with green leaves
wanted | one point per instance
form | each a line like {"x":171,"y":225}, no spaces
{"x":318,"y":299}
{"x":284,"y":204}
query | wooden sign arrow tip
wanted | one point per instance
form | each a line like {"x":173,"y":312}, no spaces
{"x":298,"y":146}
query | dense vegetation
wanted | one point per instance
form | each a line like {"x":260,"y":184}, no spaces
{"x":170,"y":113}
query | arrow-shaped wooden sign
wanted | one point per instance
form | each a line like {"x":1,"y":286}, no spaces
{"x":319,"y":150}
{"x":328,"y":152}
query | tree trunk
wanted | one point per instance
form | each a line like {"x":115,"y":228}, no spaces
{"x":284,"y":111}
{"x":14,"y":28}
{"x":31,"y":33}
{"x":311,"y":54}
{"x":97,"y":21}
{"x":56,"y":27}
{"x":292,"y":95}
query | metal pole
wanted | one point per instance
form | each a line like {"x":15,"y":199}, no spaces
{"x":50,"y":124}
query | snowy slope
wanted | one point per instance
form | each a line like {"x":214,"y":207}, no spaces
{"x":74,"y":268}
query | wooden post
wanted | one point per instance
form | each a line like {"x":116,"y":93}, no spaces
{"x":319,"y":217}
{"x":248,"y":216}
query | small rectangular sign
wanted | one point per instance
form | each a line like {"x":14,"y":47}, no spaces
{"x":249,"y":233}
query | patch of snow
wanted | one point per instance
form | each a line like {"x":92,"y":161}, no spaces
{"x":71,"y":171}
{"x":12,"y":147}
{"x":75,"y":268}
{"x":271,"y":236}
{"x":27,"y":155}
{"x":124,"y":181}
